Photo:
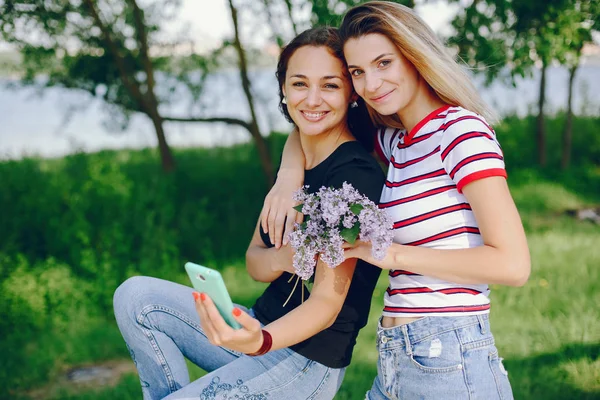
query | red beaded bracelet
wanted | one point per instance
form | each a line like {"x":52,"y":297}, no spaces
{"x":266,"y":344}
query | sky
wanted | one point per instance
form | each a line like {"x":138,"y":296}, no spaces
{"x":210,"y":20}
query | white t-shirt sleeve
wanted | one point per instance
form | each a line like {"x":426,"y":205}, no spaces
{"x":469,"y":151}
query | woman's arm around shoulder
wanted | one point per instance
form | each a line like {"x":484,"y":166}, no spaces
{"x":278,"y":215}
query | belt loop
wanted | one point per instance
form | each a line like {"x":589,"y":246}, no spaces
{"x":481,"y":324}
{"x":379,"y":326}
{"x":406,"y":339}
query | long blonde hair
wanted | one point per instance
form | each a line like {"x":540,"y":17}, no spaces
{"x":419,"y":45}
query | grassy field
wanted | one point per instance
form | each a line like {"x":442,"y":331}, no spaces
{"x":74,"y":228}
{"x":548,"y":331}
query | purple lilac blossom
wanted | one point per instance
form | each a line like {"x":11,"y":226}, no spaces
{"x":328,"y":211}
{"x":333,"y":253}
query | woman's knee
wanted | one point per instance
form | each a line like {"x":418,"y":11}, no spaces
{"x":128,"y":295}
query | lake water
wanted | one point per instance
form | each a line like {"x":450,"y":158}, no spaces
{"x":60,"y":121}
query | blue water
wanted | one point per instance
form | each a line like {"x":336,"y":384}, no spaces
{"x":61,"y":121}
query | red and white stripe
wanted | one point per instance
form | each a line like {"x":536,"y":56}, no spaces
{"x":428,"y":167}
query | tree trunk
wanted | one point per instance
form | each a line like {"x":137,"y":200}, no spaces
{"x":541,"y":126}
{"x":150,"y":100}
{"x":166,"y":157}
{"x":261,"y":144}
{"x":146,"y":101}
{"x":568,"y":129}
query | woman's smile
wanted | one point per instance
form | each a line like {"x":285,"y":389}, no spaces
{"x":381,"y":98}
{"x":314,"y":116}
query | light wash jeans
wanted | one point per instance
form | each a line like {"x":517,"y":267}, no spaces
{"x":160,"y":325}
{"x":440,"y":358}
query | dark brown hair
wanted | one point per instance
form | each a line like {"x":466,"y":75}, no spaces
{"x":358,"y":118}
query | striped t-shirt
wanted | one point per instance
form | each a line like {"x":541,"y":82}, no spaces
{"x":428,"y":167}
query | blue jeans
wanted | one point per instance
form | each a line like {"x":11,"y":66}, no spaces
{"x":160,"y":325}
{"x":440,"y":358}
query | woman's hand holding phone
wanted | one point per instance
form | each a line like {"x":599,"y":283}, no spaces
{"x":248,"y":339}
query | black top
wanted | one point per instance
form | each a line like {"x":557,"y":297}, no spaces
{"x":333,"y":346}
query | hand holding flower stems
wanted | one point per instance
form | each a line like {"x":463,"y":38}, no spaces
{"x":331,"y":218}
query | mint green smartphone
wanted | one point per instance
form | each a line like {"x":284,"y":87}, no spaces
{"x":209,"y":281}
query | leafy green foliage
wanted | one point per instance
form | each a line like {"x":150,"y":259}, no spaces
{"x":493,"y":35}
{"x":516,"y":137}
{"x":73,"y":229}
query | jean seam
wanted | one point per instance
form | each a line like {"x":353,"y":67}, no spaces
{"x":498,"y":384}
{"x":161,"y":358}
{"x":321,"y":385}
{"x":434,"y":370}
{"x":389,"y":389}
{"x":303,"y":371}
{"x":478,"y":344}
{"x":465,"y":370}
{"x":141,"y":319}
{"x":384,"y":371}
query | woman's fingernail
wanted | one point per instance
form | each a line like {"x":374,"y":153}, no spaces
{"x":237,"y":312}
{"x":202,"y":296}
{"x":196,"y":295}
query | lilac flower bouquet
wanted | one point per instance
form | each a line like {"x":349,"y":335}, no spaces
{"x":332,"y":216}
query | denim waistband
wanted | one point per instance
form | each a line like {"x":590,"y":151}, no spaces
{"x":424,"y":328}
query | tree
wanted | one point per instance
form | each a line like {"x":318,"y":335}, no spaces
{"x":105,"y":48}
{"x":87,"y":45}
{"x":253,"y":128}
{"x":575,"y":27}
{"x":498,"y":35}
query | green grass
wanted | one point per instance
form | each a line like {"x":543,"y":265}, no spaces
{"x":78,"y":226}
{"x":548,"y":331}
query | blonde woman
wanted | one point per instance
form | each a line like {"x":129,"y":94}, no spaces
{"x":457,"y":229}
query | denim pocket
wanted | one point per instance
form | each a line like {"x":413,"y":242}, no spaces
{"x":500,"y":375}
{"x":440,"y":354}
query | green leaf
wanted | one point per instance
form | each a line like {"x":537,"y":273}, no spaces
{"x":299,"y":208}
{"x":356,"y":208}
{"x":309,"y":284}
{"x":350,"y":234}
